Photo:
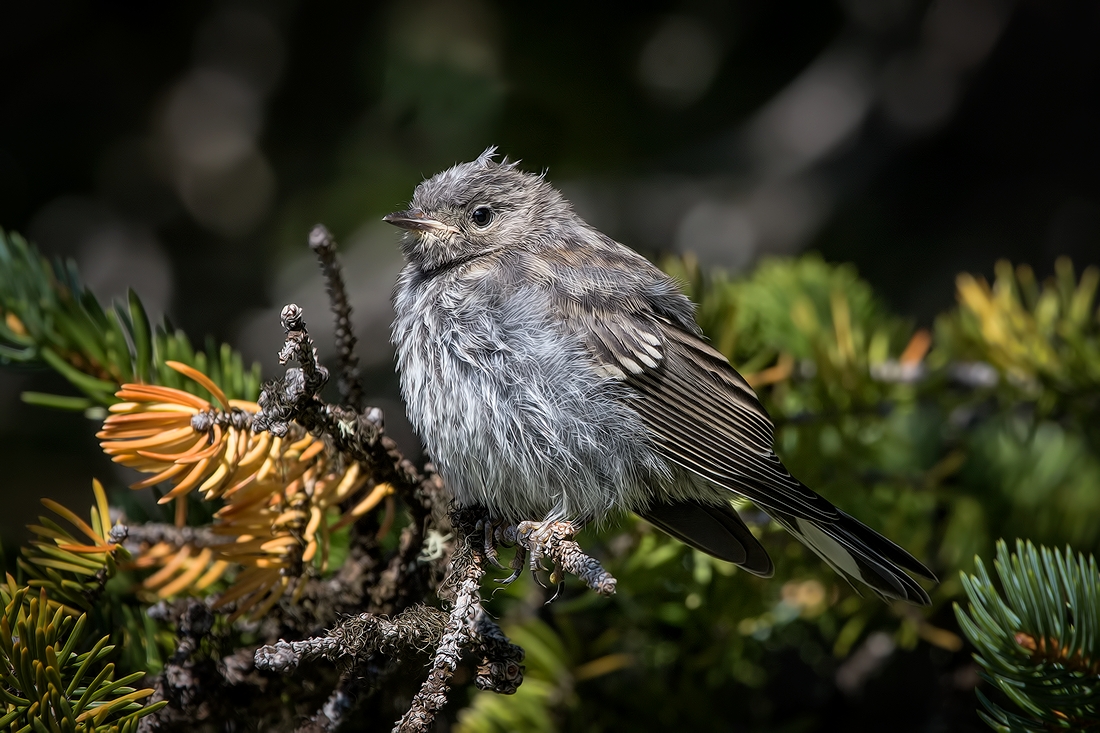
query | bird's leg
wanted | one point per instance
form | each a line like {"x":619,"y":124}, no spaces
{"x":489,"y":530}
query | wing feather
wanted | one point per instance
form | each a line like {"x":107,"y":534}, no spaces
{"x":704,"y":418}
{"x":707,"y":420}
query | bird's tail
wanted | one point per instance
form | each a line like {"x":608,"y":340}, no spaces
{"x":858,"y":553}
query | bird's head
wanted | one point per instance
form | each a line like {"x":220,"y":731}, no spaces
{"x":478,"y":208}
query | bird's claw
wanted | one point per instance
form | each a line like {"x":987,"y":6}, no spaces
{"x":489,"y":546}
{"x":557,"y":591}
{"x":534,"y":542}
{"x":517,"y":564}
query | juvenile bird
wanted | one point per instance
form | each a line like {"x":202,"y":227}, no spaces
{"x":554,"y":374}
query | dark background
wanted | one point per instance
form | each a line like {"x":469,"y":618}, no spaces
{"x":194,"y":143}
{"x":185,"y":149}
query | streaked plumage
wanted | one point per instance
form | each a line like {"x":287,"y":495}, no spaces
{"x":555,"y":374}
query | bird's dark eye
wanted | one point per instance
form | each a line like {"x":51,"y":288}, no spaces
{"x":481,"y":216}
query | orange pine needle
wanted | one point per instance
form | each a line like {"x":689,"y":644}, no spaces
{"x":197,"y":376}
{"x":75,"y":520}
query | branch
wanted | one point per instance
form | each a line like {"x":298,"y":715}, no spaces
{"x":466,"y":572}
{"x":324,"y":246}
{"x":179,"y":682}
{"x":500,"y":669}
{"x":359,"y":435}
{"x":341,"y":702}
{"x":357,"y":638}
{"x":153,"y":532}
{"x":465,"y":627}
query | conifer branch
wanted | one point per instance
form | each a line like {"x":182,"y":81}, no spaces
{"x":1039,"y":642}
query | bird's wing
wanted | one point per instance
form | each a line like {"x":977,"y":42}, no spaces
{"x":705,"y":418}
{"x":702,"y":414}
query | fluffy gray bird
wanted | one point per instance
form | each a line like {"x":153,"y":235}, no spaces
{"x":554,"y":374}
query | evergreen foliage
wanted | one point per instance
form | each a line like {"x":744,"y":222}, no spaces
{"x":1039,"y":643}
{"x":50,"y":318}
{"x":53,"y":679}
{"x":73,"y":571}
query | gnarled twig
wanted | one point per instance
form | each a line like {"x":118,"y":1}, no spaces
{"x":465,"y":627}
{"x":323,"y":245}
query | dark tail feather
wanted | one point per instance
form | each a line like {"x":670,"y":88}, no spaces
{"x":715,"y":530}
{"x":858,"y":553}
{"x":888,"y":549}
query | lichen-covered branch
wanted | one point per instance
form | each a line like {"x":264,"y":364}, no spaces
{"x":358,"y":435}
{"x":342,"y":701}
{"x":500,"y":669}
{"x":179,"y":682}
{"x":465,"y":627}
{"x":465,"y":582}
{"x":417,"y":629}
{"x":323,"y":245}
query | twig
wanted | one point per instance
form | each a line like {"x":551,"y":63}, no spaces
{"x":153,"y":532}
{"x":418,"y":628}
{"x":179,"y":682}
{"x":324,"y":246}
{"x":466,"y":567}
{"x":501,"y":668}
{"x":359,"y":435}
{"x":342,"y":701}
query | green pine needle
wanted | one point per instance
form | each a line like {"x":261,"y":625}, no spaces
{"x":1038,"y":642}
{"x":46,"y":685}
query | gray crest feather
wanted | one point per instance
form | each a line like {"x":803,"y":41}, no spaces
{"x":486,"y":156}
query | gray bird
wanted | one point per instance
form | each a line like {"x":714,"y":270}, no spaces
{"x":554,"y":374}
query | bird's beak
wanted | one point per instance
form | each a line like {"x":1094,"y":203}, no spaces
{"x":417,"y":221}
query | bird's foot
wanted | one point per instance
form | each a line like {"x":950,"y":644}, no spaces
{"x":534,"y":541}
{"x":553,"y":540}
{"x":540,"y":539}
{"x":495,"y":531}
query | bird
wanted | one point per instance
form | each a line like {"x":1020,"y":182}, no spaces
{"x":554,"y":374}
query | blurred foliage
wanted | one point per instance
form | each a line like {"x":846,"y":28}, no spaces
{"x":74,"y":572}
{"x":943,"y":441}
{"x":1039,"y":644}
